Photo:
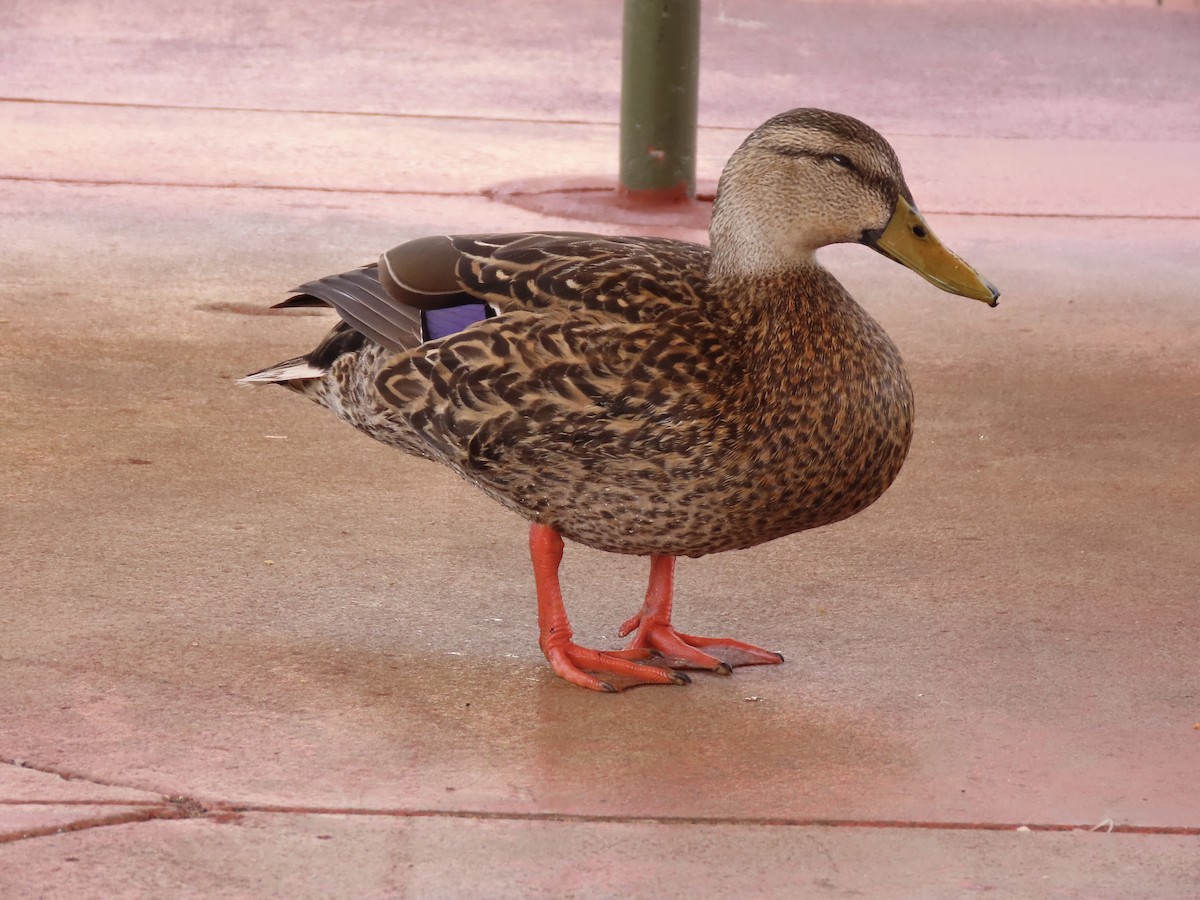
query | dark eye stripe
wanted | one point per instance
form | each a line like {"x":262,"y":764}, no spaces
{"x":837,"y":158}
{"x":795,"y":152}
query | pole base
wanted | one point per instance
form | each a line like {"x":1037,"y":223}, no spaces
{"x":628,"y":196}
{"x":600,"y":200}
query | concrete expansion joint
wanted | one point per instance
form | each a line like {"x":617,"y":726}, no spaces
{"x":348,"y":113}
{"x":184,"y":806}
{"x":66,"y":775}
{"x":234,"y":186}
{"x":129,"y":817}
{"x":109,"y":812}
{"x":557,"y":202}
{"x":222,"y":812}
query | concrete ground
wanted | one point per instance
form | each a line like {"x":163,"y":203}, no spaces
{"x":245,"y":651}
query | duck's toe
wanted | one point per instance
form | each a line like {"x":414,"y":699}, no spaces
{"x":620,"y":669}
{"x":689,"y":651}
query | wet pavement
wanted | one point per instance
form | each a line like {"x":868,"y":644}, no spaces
{"x":245,"y":651}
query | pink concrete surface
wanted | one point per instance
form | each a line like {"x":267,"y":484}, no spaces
{"x":245,"y":651}
{"x":19,"y":784}
{"x":975,"y":175}
{"x":256,"y":854}
{"x":35,"y":803}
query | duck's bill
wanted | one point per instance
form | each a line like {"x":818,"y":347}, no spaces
{"x":908,"y":240}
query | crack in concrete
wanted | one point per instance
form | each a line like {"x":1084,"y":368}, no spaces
{"x":174,"y":806}
{"x":442,"y":117}
{"x":98,"y":803}
{"x":744,"y":128}
{"x":237,"y":186}
{"x":67,"y":775}
{"x":145,"y":815}
{"x":765,"y":821}
{"x":488,"y":193}
{"x":183,"y":806}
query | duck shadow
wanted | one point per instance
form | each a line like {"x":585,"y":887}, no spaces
{"x":490,"y":734}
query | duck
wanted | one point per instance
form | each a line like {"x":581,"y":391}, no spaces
{"x":644,"y":395}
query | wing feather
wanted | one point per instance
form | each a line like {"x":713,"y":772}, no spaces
{"x":365,"y":306}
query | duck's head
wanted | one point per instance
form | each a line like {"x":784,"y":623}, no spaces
{"x":808,"y":178}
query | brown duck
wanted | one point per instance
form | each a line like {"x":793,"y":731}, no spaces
{"x":649,"y":396}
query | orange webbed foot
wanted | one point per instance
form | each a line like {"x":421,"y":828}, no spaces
{"x":689,"y":651}
{"x":627,"y":668}
{"x":630,"y":667}
{"x":656,"y":649}
{"x":652,"y":630}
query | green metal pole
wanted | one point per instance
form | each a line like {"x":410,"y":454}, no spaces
{"x":660,"y":78}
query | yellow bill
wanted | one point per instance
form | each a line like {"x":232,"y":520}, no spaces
{"x":908,"y":240}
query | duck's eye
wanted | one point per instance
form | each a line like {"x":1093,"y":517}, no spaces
{"x":843,"y":161}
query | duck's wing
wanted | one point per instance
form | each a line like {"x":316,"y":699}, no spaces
{"x":531,"y":391}
{"x":364,"y":305}
{"x":631,"y":278}
{"x":435,"y":286}
{"x":600,"y":353}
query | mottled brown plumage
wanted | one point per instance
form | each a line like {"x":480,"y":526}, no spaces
{"x":642,"y":395}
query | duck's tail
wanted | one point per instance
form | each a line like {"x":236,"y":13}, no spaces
{"x":368,"y":314}
{"x":297,"y":369}
{"x":357,"y":296}
{"x":293,"y":372}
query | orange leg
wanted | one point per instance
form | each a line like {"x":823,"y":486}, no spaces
{"x":567,"y":658}
{"x":685,"y":651}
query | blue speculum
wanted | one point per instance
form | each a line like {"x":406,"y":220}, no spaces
{"x":437,"y":323}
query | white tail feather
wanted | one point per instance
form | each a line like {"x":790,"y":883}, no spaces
{"x":292,"y":370}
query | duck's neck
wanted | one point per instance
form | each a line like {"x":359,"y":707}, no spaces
{"x":763,"y":277}
{"x":792,"y":307}
{"x":797,"y":336}
{"x":749,"y":246}
{"x":781,"y":311}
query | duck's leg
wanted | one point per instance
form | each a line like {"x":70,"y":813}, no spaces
{"x":567,"y":658}
{"x":654,"y":631}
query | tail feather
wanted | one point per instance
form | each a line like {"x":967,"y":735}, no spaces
{"x":368,"y":313}
{"x":296,"y":369}
{"x":343,"y":339}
